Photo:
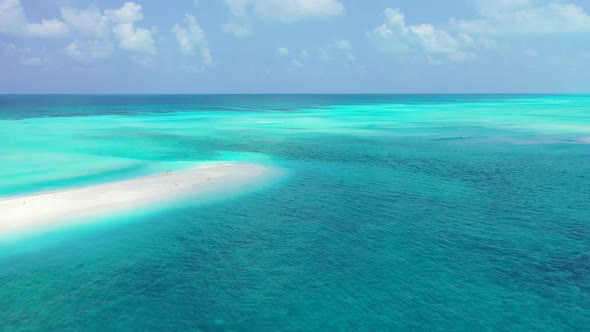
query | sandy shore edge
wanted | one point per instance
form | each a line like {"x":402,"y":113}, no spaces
{"x":51,"y":208}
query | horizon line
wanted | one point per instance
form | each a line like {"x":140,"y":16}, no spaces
{"x":283,"y":93}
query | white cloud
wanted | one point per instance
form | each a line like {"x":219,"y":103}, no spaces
{"x":8,"y":48}
{"x":282,"y":11}
{"x":24,"y":56}
{"x":13,"y":21}
{"x":238,"y":29}
{"x":324,"y":54}
{"x":207,"y":57}
{"x":526,"y":17}
{"x":87,"y":51}
{"x":291,"y":10}
{"x":91,"y":29}
{"x":189,"y":35}
{"x":131,"y":38}
{"x":531,"y":53}
{"x":297,"y":64}
{"x":191,"y":38}
{"x":419,"y":41}
{"x":336,"y":51}
{"x":237,"y":7}
{"x":92,"y":33}
{"x":142,"y":60}
{"x":134,"y":39}
{"x":86,"y":21}
{"x":502,"y":5}
{"x":12,"y":17}
{"x":46,"y":29}
{"x":34,"y":61}
{"x":282,"y":51}
{"x":361,"y":69}
{"x":285,"y":11}
{"x":129,"y":13}
{"x":73,"y":50}
{"x":344,"y":45}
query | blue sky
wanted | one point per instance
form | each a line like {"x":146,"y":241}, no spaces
{"x":294,"y":46}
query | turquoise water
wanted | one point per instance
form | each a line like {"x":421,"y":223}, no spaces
{"x":441,"y":212}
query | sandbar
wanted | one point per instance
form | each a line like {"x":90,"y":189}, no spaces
{"x":52,"y":208}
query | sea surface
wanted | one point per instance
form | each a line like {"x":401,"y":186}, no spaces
{"x":394,"y":212}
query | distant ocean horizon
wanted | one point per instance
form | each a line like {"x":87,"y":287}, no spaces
{"x":396,"y":212}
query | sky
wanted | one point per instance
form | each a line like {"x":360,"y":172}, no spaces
{"x":294,"y":46}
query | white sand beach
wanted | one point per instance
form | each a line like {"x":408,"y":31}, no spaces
{"x":51,"y":208}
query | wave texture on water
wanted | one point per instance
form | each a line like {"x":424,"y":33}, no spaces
{"x":398,"y":213}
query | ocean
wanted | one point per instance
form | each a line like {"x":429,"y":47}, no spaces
{"x":394,"y":212}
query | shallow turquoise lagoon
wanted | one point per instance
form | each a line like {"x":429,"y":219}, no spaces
{"x":425,"y":212}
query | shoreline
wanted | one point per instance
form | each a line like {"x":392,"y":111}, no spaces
{"x":62,"y":206}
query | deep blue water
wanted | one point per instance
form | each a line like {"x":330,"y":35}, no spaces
{"x":412,"y":212}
